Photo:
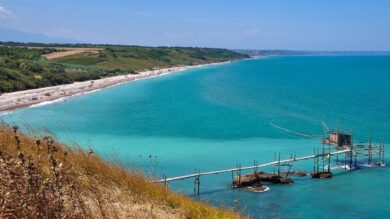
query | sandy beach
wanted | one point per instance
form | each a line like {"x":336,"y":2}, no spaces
{"x":21,"y":99}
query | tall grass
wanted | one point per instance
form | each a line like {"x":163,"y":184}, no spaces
{"x":41,"y":178}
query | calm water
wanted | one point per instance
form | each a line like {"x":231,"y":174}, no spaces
{"x":217,"y":116}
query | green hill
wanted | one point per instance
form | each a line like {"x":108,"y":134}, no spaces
{"x":22,"y":66}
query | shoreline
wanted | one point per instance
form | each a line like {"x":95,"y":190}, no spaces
{"x":27,"y":98}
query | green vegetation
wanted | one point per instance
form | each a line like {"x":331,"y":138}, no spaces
{"x":23,"y":67}
{"x":81,"y":60}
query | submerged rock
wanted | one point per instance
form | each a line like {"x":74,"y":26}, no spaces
{"x":253,"y":179}
{"x":298,"y":173}
{"x":321,"y":175}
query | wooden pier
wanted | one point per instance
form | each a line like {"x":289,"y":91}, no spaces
{"x":338,"y":144}
{"x":237,"y":169}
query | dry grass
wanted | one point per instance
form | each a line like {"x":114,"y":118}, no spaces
{"x":41,"y":178}
{"x":64,"y":52}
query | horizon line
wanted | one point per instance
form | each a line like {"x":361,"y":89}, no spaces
{"x":234,"y":49}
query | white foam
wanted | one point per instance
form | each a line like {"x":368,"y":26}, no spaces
{"x":266,"y":188}
{"x":5,"y":113}
{"x":62,"y":99}
{"x":340,"y":167}
{"x":374,"y":165}
{"x":47,"y":102}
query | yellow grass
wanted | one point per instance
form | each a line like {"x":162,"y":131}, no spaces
{"x":106,"y":190}
{"x":64,"y":52}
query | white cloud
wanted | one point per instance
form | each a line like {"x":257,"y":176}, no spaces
{"x":6,"y":14}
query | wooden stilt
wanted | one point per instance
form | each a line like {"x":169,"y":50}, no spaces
{"x":279,"y":165}
{"x":329,"y":158}
{"x":382,"y":150}
{"x":369,"y":149}
{"x":255,"y":164}
{"x":345,"y":161}
{"x":383,"y":153}
{"x":351,"y":157}
{"x":239,"y":174}
{"x":198,"y":183}
{"x":232,"y":177}
{"x":314,"y":161}
{"x":318,"y":161}
{"x":165,"y":181}
{"x":323,"y":159}
{"x":274,"y":160}
{"x":195,"y":181}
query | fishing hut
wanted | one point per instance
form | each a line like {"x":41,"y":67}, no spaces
{"x":335,"y":140}
{"x":338,"y":139}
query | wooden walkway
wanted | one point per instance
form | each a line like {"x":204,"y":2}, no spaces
{"x":253,"y":167}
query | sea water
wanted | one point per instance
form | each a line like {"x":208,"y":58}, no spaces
{"x":218,"y":116}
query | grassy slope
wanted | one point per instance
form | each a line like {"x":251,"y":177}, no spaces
{"x":54,"y":180}
{"x":23,"y":67}
{"x":139,"y":58}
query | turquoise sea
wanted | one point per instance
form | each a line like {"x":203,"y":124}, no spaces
{"x":217,"y":116}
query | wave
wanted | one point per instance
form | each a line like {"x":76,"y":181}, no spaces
{"x":62,"y":99}
{"x":5,"y":113}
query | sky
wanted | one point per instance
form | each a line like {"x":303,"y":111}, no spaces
{"x":245,"y":24}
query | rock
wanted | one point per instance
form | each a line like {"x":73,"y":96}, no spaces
{"x":321,"y":175}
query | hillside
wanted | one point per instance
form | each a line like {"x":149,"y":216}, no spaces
{"x":41,"y":178}
{"x":25,"y":66}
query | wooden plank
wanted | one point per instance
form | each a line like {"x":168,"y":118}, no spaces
{"x":252,"y":167}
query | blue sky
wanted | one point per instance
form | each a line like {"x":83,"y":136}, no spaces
{"x":257,"y":24}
